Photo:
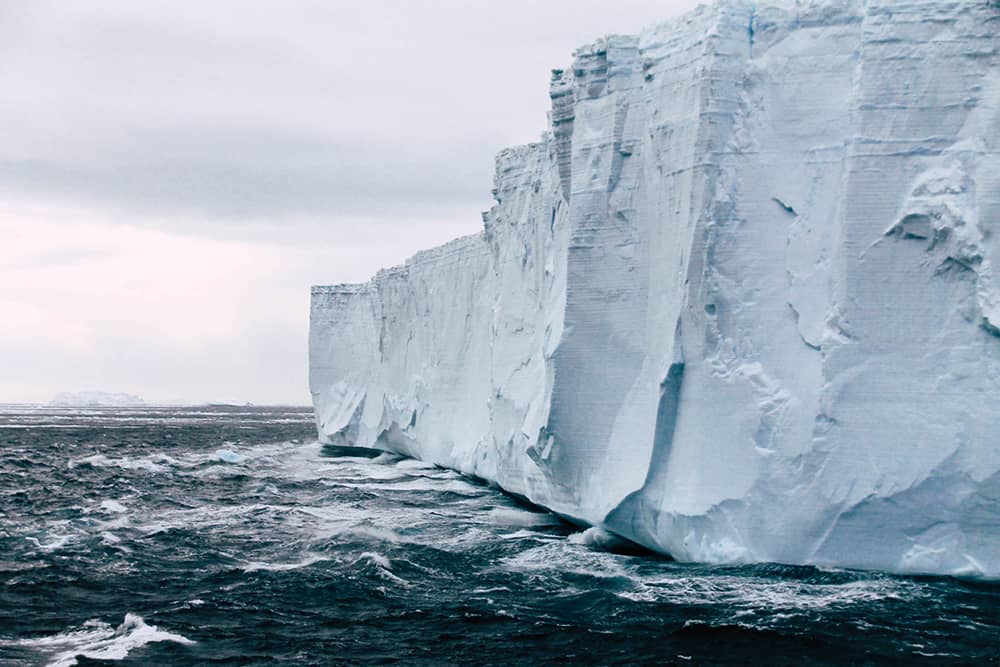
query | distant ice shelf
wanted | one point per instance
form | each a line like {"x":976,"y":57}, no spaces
{"x":92,"y":399}
{"x":737,"y":305}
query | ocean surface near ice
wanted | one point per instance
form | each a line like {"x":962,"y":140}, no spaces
{"x":192,"y":536}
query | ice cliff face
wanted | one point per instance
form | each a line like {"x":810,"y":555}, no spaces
{"x":739,"y":304}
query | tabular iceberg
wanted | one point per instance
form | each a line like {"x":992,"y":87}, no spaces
{"x":738,"y":304}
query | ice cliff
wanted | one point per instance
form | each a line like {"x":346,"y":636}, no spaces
{"x":739,"y":304}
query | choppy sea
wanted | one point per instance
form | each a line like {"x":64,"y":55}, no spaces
{"x":229,"y":536}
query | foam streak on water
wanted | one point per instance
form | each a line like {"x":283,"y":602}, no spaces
{"x":185,"y":536}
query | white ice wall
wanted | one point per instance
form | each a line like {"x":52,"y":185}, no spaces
{"x":738,"y":305}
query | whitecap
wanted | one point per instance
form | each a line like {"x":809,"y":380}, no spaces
{"x":383,"y":566}
{"x":152,"y":463}
{"x":375,"y":533}
{"x":766,"y":595}
{"x":379,"y":473}
{"x":562,"y":557}
{"x":58,"y":542}
{"x":510,"y":516}
{"x":99,"y":641}
{"x":112,"y":506}
{"x":429,"y":484}
{"x":525,"y":534}
{"x":598,"y":538}
{"x":376,"y":558}
{"x":492,"y":589}
{"x":282,"y":567}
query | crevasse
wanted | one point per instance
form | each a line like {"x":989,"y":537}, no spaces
{"x":737,"y":305}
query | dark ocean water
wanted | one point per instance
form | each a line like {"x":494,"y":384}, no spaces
{"x":229,"y":536}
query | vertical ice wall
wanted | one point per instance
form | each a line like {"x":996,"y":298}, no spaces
{"x":739,"y":303}
{"x":453,"y":367}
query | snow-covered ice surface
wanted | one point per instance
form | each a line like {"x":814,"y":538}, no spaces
{"x":738,"y":304}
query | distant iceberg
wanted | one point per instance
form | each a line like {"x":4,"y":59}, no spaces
{"x":737,"y":305}
{"x":95,"y":399}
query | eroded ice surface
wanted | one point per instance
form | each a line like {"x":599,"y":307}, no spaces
{"x":738,"y":304}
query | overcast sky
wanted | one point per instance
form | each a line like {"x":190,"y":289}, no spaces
{"x":175,"y":175}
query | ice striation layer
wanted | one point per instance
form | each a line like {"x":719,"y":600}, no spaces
{"x":739,"y":304}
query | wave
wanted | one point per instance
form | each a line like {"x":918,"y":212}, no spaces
{"x":283,"y":567}
{"x":382,"y":565}
{"x":376,"y":558}
{"x":563,"y":557}
{"x":98,"y":640}
{"x":740,"y":592}
{"x":436,"y":485}
{"x":287,"y":458}
{"x":525,"y":534}
{"x":513,"y":516}
{"x":602,"y":540}
{"x":57,"y":542}
{"x":113,"y":506}
{"x":151,"y":463}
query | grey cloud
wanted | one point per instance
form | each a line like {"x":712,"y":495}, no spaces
{"x":266,"y":146}
{"x":255,"y":175}
{"x":279,"y":110}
